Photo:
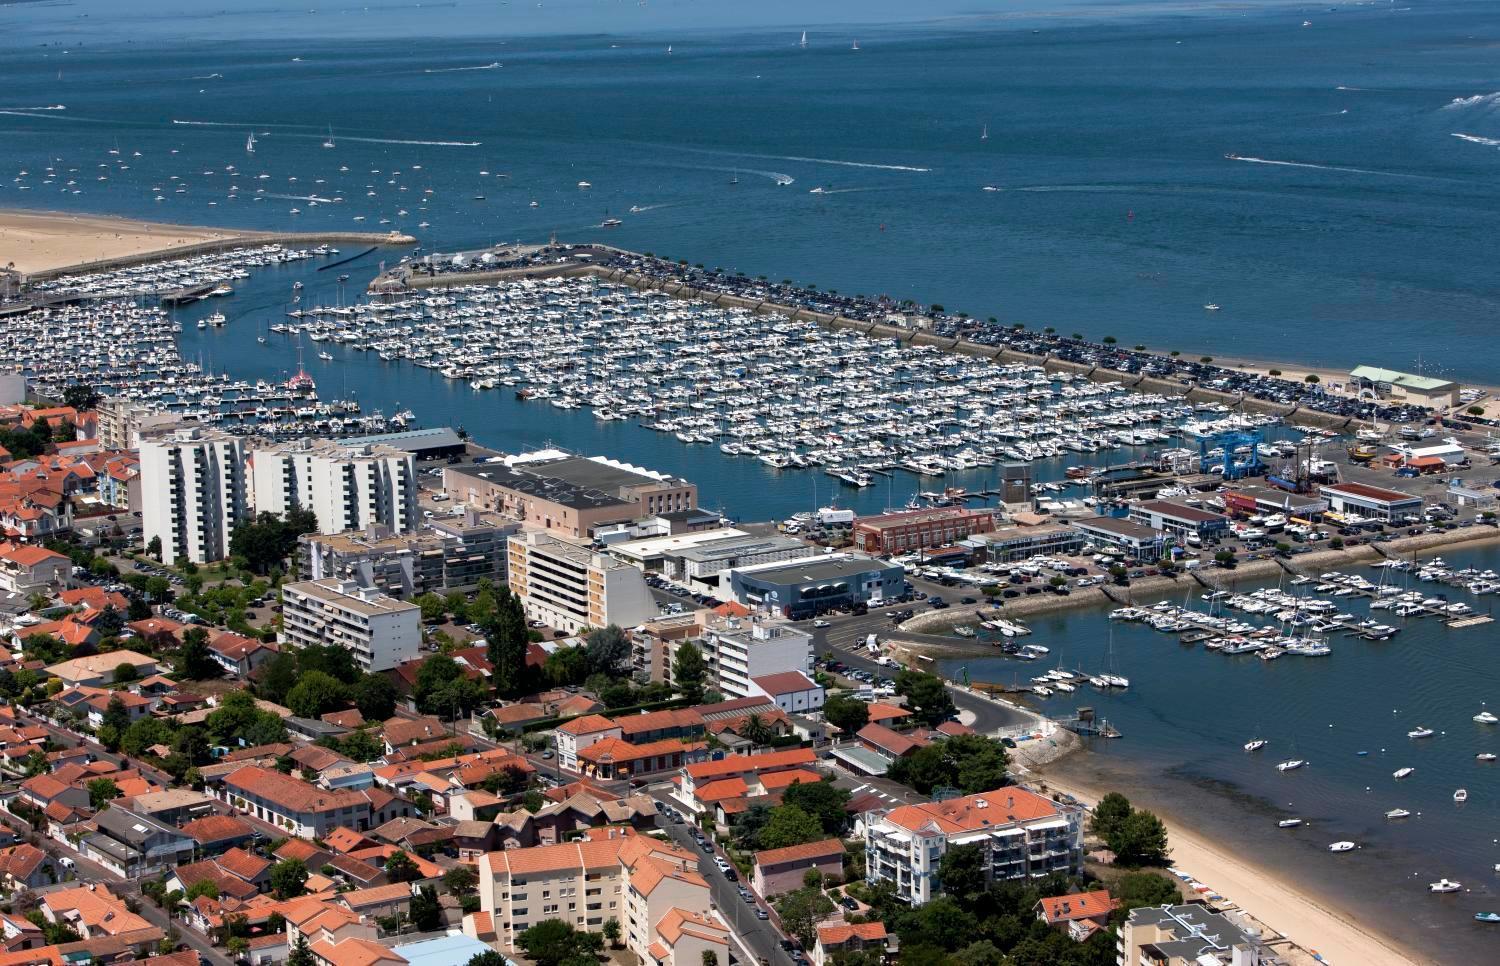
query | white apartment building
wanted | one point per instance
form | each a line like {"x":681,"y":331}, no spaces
{"x":1021,"y":833}
{"x":347,"y":487}
{"x":381,"y":631}
{"x":568,"y":585}
{"x":192,"y":492}
{"x":739,"y":649}
{"x":1188,"y":935}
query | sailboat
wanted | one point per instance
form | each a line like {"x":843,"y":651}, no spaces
{"x":856,"y":46}
{"x":984,"y":134}
{"x":803,"y":42}
{"x":250,"y":143}
{"x":329,"y":143}
{"x":669,"y":50}
{"x":735,"y":179}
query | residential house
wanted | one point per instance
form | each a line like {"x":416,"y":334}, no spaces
{"x":25,"y":866}
{"x":686,"y":938}
{"x":835,"y":938}
{"x":1079,"y":914}
{"x":305,"y":810}
{"x":793,"y":691}
{"x":576,"y":735}
{"x":782,"y":870}
{"x":132,"y":845}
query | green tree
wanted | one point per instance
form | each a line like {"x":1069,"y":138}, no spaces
{"x":1135,"y":890}
{"x":195,"y":661}
{"x":553,"y":942}
{"x":442,"y":688}
{"x":1141,"y":839}
{"x":361,"y":746}
{"x":288,"y":878}
{"x":688,"y":671}
{"x":1112,"y":810}
{"x":790,"y":825}
{"x":316,"y":694}
{"x":961,"y":874}
{"x":612,"y":932}
{"x":927,"y":695}
{"x":801,"y":911}
{"x":607,"y":648}
{"x":335,"y":661}
{"x":81,"y":396}
{"x":154,"y":547}
{"x":125,"y":672}
{"x":375,"y":697}
{"x":506,"y":642}
{"x":102,"y":791}
{"x":399,"y":867}
{"x":487,"y":958}
{"x":115,"y":715}
{"x":459,"y":879}
{"x":846,"y":713}
{"x":202,"y":888}
{"x":276,"y":678}
{"x":566,"y":665}
{"x":432,"y":607}
{"x":301,"y":954}
{"x":823,"y":800}
{"x":426,"y":913}
{"x":709,"y":957}
{"x":970,"y":763}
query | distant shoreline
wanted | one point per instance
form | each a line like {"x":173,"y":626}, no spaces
{"x":42,"y":244}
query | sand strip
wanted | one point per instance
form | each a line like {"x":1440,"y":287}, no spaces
{"x":39,"y":241}
{"x":1263,"y":895}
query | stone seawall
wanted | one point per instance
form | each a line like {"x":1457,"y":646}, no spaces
{"x":246,"y":240}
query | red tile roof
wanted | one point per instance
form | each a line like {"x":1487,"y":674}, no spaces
{"x":805,"y":852}
{"x":786,"y":682}
{"x":971,"y":813}
{"x":1080,"y":905}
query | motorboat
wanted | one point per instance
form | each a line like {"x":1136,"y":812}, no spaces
{"x":1255,"y":744}
{"x":1398,"y":813}
{"x":1291,"y":765}
{"x":1486,"y":717}
{"x":584,"y":184}
{"x":1461,"y":795}
{"x":1341,"y":847}
{"x":1487,"y":917}
{"x":1289,"y":823}
{"x":1444,"y":885}
{"x":1401,"y":773}
{"x":1485,"y":756}
{"x":1420,"y":733}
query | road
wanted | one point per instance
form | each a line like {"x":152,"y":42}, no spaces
{"x":758,"y":935}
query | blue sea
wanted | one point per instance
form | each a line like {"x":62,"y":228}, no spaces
{"x":1354,"y":223}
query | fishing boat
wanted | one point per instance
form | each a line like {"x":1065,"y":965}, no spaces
{"x":1289,"y":823}
{"x":1291,"y":764}
{"x":1444,"y":885}
{"x":1401,"y":773}
{"x":1341,"y":847}
{"x":1397,"y":813}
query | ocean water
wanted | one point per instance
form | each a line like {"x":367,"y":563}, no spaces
{"x":1354,"y":227}
{"x":1188,"y":713}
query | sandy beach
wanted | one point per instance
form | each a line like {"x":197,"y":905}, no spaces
{"x":39,"y":241}
{"x":1262,"y":894}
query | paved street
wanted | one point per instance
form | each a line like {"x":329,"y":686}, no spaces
{"x":759,"y":935}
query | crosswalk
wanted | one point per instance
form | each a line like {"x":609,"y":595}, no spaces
{"x":873,"y":791}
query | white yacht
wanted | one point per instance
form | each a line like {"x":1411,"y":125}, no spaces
{"x":1444,"y":885}
{"x":1461,"y":795}
{"x":1486,"y":717}
{"x":1256,"y":744}
{"x":1397,"y":813}
{"x":1289,"y":823}
{"x":1420,"y":732}
{"x":1344,"y":846}
{"x":1291,"y":764}
{"x":1401,"y":773}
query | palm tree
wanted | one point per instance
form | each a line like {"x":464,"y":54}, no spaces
{"x":756,"y":731}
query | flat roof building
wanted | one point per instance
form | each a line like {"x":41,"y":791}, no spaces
{"x":1178,"y":519}
{"x":446,"y":555}
{"x":1374,"y":502}
{"x":570,"y":586}
{"x":1391,"y":383}
{"x":425,"y":444}
{"x":738,"y":650}
{"x":919,"y":529}
{"x":569,"y":495}
{"x":1264,"y":499}
{"x":380,"y":631}
{"x":1136,"y":540}
{"x":1187,"y":935}
{"x":1009,"y":544}
{"x":802,"y":588}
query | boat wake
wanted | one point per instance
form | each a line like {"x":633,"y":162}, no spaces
{"x":843,"y":164}
{"x":206,"y":77}
{"x":1476,"y":139}
{"x":1477,"y":100}
{"x":426,"y":144}
{"x":53,"y":114}
{"x":637,"y":209}
{"x":318,"y":198}
{"x":49,"y":107}
{"x":1334,"y":167}
{"x":449,"y":70}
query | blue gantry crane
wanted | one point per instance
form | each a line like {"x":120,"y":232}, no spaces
{"x":1226,"y":447}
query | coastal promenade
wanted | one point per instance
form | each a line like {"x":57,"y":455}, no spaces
{"x":588,"y":260}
